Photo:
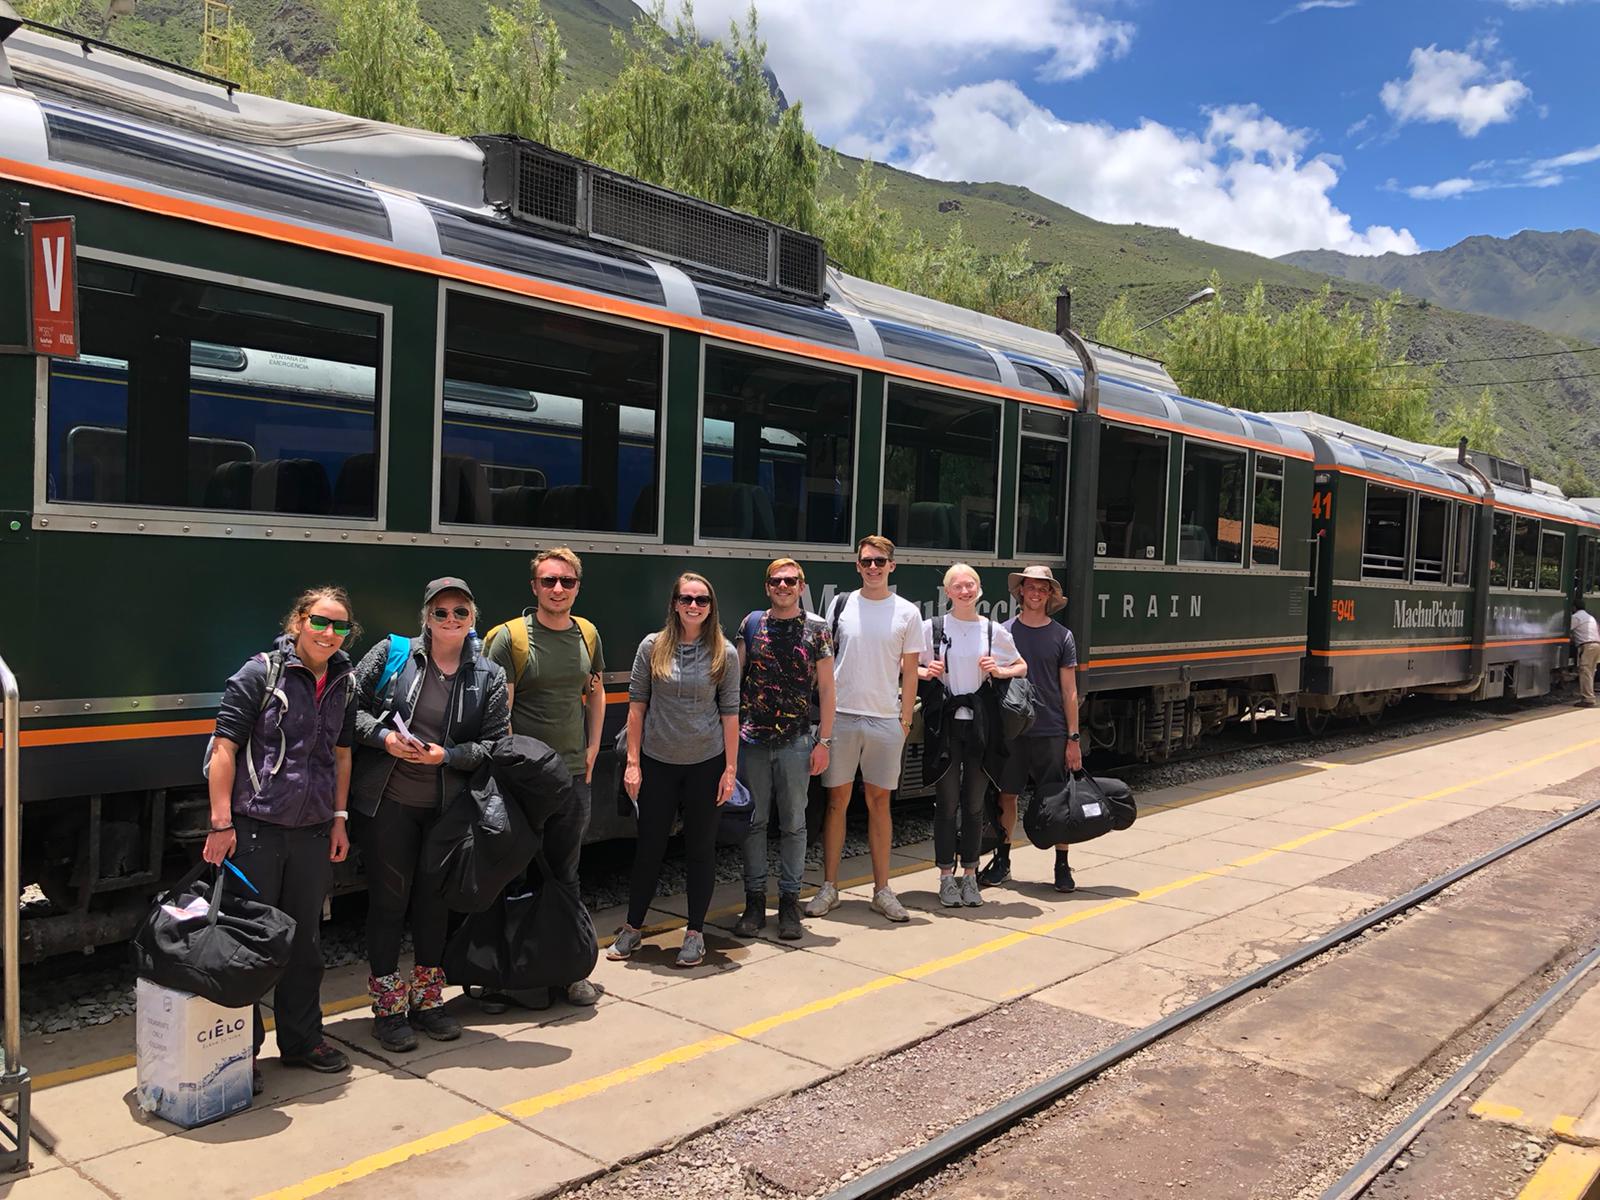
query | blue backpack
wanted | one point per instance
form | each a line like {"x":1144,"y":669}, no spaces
{"x":399,"y":651}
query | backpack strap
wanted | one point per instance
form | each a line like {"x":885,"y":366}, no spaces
{"x":750,"y":627}
{"x":399,"y":651}
{"x":835,"y":611}
{"x":937,"y":626}
{"x":591,"y":640}
{"x":270,"y":688}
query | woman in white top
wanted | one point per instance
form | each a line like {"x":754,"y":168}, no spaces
{"x":964,"y":732}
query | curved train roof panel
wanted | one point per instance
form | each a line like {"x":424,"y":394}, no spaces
{"x":1557,"y":506}
{"x":941,"y":351}
{"x":777,"y":316}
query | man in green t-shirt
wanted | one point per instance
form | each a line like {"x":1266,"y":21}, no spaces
{"x":557,"y":697}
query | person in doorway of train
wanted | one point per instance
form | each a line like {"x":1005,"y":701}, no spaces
{"x":553,"y":662}
{"x":877,"y":636}
{"x":683,"y":752}
{"x":1586,"y":639}
{"x":421,"y":735}
{"x":964,"y":752}
{"x":785,"y":654}
{"x":279,"y":775}
{"x":1051,"y":746}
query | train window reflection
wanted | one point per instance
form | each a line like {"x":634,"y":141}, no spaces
{"x":1432,"y":518}
{"x":1461,"y":560}
{"x":777,"y":446}
{"x":941,"y":470}
{"x":1383,"y":548}
{"x":1500,"y":551}
{"x":1525,"y":554}
{"x":274,"y":411}
{"x":1266,"y":518}
{"x":1211,"y":505}
{"x":551,"y":421}
{"x":1131,"y":494}
{"x":1551,"y":548}
{"x":1042,"y":485}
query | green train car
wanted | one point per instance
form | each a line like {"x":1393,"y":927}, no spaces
{"x":317,"y":349}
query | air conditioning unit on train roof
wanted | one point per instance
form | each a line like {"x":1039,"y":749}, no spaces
{"x":1502,"y":471}
{"x":533,"y":183}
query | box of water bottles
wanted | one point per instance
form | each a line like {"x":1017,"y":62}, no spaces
{"x":193,"y":1056}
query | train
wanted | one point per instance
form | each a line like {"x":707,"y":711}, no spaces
{"x":320,"y":349}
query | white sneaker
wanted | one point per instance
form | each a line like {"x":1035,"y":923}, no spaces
{"x":824,"y":902}
{"x":885,"y":901}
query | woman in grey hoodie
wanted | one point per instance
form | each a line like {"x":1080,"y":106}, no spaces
{"x":683,"y":750}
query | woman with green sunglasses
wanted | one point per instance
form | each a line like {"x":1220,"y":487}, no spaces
{"x":279,"y":775}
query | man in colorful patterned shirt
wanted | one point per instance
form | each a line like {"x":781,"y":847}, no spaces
{"x":784,"y":654}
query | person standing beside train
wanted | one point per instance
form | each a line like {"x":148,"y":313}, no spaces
{"x":965,"y":748}
{"x":1051,"y":745}
{"x":278,"y":775}
{"x":877,"y":637}
{"x":784,"y":654}
{"x":683,"y":753}
{"x":1586,"y":637}
{"x":553,"y":662}
{"x":422,"y":735}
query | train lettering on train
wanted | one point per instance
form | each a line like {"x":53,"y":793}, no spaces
{"x":319,"y":350}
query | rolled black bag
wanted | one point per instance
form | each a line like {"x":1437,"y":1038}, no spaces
{"x":479,"y":844}
{"x":1078,"y":809}
{"x":538,"y":938}
{"x":735,"y":816}
{"x":232,"y":955}
{"x":532,"y":775}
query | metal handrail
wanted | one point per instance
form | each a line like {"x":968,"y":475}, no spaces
{"x":14,"y":1079}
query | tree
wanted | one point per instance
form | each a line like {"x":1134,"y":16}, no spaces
{"x":391,"y":65}
{"x":862,"y":236}
{"x":1573,"y":479}
{"x":1476,"y":422}
{"x":513,"y":75}
{"x":1004,"y":285}
{"x":63,"y":14}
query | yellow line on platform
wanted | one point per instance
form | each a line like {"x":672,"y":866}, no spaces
{"x":1567,"y":1174}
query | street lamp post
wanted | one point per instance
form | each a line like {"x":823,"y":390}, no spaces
{"x":1200,"y":297}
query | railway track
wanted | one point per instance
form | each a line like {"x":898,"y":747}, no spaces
{"x":958,"y":1143}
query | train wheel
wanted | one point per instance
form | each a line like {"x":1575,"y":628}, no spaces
{"x":1371,"y":719}
{"x":1314,"y":721}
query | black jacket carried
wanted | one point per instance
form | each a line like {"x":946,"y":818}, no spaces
{"x":938,"y":716}
{"x":479,"y":712}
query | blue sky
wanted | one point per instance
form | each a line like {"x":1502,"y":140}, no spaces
{"x":1270,"y":125}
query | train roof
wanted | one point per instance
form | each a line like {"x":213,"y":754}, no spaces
{"x":1343,"y":444}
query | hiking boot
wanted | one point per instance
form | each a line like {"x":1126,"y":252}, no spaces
{"x":885,"y":901}
{"x":824,"y":902}
{"x":583,"y":993}
{"x":789,"y":928}
{"x":322,"y":1057}
{"x":628,"y":940}
{"x":693,"y":952}
{"x":999,"y":868}
{"x":754,"y":919}
{"x":949,"y":891}
{"x":1064,"y":880}
{"x":970,"y":896}
{"x":393,"y":1032}
{"x":437,"y":1024}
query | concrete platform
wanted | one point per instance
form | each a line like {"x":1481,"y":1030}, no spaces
{"x":1211,"y":882}
{"x":1555,"y":1086}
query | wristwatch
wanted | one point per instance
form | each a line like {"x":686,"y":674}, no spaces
{"x":822,"y":741}
{"x":1074,"y":737}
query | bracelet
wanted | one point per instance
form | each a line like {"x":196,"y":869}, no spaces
{"x":222,"y":828}
{"x":341,"y":814}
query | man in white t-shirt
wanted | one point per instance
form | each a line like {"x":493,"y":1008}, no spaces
{"x":877,"y":638}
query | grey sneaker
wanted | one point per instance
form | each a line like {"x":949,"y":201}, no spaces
{"x":628,"y":940}
{"x":694,"y":949}
{"x":824,"y":902}
{"x":970,"y":896}
{"x":949,"y":891}
{"x":885,"y":901}
{"x":583,"y":993}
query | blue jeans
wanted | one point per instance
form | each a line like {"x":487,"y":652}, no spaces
{"x":782,"y":773}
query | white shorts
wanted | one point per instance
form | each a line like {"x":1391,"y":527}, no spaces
{"x":874,"y":745}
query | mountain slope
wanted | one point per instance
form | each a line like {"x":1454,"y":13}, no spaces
{"x":1551,"y":280}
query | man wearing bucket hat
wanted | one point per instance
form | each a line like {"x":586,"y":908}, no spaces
{"x":1051,"y":745}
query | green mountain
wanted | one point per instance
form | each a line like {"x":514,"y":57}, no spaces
{"x":1551,"y":280}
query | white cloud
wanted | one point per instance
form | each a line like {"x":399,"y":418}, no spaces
{"x":849,"y":58}
{"x":1308,"y":5}
{"x":1245,"y":182}
{"x":1574,"y":158}
{"x":1445,"y":189}
{"x":1455,"y":86}
{"x":1525,"y":4}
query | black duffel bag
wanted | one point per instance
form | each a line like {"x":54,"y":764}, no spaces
{"x":1078,"y":809}
{"x":232,"y":956}
{"x":539,"y":938}
{"x":479,"y":844}
{"x":735,"y":816}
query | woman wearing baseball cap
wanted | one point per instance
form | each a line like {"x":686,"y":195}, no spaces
{"x":423,"y":729}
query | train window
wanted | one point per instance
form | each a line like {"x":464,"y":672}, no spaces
{"x":1383,"y":548}
{"x":1211,"y":504}
{"x":1552,"y":546}
{"x":1461,"y":560}
{"x":275,"y":411}
{"x":1266,"y":517}
{"x":1131,"y":494}
{"x":1042,"y":484}
{"x":941,"y":470}
{"x":551,"y":421}
{"x":1433,"y":518}
{"x":1500,"y":551}
{"x":777,"y":450}
{"x":1591,"y":565}
{"x":1525,"y":554}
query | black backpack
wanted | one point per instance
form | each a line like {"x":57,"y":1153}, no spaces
{"x":538,"y":938}
{"x":1078,"y":809}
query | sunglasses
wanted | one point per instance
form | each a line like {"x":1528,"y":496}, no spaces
{"x":321,"y":623}
{"x":873,"y":561}
{"x":783,"y":581}
{"x":459,"y":612}
{"x":552,"y":582}
{"x":693,"y":601}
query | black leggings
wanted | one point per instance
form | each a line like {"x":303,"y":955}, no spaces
{"x":961,"y":789}
{"x":392,"y":851}
{"x":664,"y":788}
